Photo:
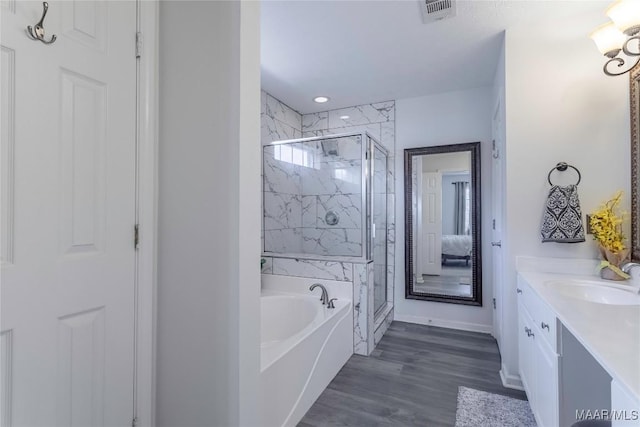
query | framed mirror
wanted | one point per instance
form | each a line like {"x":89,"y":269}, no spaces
{"x":442,"y":224}
{"x":635,"y":164}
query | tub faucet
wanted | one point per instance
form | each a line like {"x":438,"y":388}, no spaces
{"x":325,"y":296}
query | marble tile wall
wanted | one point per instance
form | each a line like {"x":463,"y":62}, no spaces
{"x":281,"y":199}
{"x":379,"y":120}
{"x":298,"y":194}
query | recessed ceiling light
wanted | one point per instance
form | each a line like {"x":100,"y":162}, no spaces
{"x":321,"y":99}
{"x":344,"y":117}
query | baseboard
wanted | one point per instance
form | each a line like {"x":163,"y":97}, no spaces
{"x":450,"y":324}
{"x":510,"y":380}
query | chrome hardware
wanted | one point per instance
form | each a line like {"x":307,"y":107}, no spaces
{"x":138,"y":44}
{"x":330,"y":305}
{"x":518,"y":290}
{"x":496,"y":153}
{"x":332,"y":218}
{"x":136,"y":236}
{"x":544,"y":325}
{"x":531,"y":334}
{"x":629,"y":266}
{"x":498,"y":244}
{"x":325,"y":296}
{"x":37,"y":32}
{"x":527,"y":331}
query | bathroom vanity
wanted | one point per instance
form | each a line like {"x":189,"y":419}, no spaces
{"x":579,"y":346}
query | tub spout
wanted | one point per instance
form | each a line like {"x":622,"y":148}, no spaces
{"x":325,"y":296}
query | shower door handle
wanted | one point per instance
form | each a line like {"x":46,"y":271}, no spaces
{"x":373,"y":231}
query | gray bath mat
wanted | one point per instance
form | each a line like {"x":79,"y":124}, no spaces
{"x":479,"y":408}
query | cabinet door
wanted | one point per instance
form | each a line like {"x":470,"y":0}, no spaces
{"x":525,"y":354}
{"x":626,"y":409}
{"x":546,"y":382}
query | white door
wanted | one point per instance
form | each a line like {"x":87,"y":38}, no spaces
{"x":497,"y":197}
{"x":418,"y":242}
{"x":68,"y":213}
{"x":432,"y":223}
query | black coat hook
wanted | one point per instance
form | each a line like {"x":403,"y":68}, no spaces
{"x":37,"y":32}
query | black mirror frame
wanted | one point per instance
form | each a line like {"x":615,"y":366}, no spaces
{"x":634,"y":89}
{"x":476,"y":224}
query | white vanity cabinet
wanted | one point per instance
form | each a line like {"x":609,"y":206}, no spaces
{"x":538,"y":356}
{"x":626,"y":409}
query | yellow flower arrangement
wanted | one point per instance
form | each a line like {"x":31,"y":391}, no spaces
{"x":606,"y":226}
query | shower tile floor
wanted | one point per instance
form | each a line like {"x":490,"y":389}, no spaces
{"x":411,"y":379}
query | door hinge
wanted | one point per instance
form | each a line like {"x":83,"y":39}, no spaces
{"x":136,"y":236}
{"x":134,"y":422}
{"x":494,"y":224}
{"x":138,"y":44}
{"x":494,"y":303}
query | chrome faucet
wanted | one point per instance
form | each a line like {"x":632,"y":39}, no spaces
{"x":325,"y":296}
{"x":627,"y":269}
{"x":629,"y":266}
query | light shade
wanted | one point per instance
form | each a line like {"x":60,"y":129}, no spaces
{"x":625,"y":14}
{"x":321,"y":99}
{"x":608,"y":39}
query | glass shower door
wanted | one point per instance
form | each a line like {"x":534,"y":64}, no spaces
{"x":379,"y":232}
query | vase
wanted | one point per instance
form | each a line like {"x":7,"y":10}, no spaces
{"x":609,"y":274}
{"x":614,"y":260}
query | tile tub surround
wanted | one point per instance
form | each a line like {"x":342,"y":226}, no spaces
{"x":358,"y":273}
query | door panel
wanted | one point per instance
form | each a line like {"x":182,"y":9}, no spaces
{"x":68,"y":177}
{"x":432,"y":222}
{"x":497,"y":197}
{"x":7,"y":106}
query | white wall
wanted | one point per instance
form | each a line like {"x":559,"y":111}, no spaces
{"x":209,"y":236}
{"x":449,"y":118}
{"x":559,"y":107}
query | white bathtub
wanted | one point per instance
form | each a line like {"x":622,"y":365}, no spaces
{"x":303,"y":345}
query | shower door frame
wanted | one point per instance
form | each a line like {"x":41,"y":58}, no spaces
{"x":367,"y":143}
{"x":372,"y":144}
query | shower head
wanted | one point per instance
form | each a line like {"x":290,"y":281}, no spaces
{"x":330,"y":147}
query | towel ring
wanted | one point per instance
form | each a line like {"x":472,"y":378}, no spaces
{"x":562,"y":166}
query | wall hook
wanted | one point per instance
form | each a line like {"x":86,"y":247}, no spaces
{"x":37,"y":32}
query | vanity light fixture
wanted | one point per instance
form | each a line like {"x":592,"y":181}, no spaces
{"x":321,"y":99}
{"x":620,"y":35}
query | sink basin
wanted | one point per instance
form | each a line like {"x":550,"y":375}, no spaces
{"x":594,"y":291}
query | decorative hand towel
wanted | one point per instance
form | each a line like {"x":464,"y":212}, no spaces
{"x":562,"y":220}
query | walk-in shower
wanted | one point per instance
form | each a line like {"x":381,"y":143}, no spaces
{"x":325,"y":198}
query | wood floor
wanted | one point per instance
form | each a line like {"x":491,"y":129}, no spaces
{"x":411,"y":379}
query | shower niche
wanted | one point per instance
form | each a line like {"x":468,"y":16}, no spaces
{"x":325,"y":199}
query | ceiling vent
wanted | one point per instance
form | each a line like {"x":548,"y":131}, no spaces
{"x":437,"y":10}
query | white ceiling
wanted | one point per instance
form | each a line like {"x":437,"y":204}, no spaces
{"x":357,"y":52}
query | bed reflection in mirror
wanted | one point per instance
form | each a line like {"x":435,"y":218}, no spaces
{"x":442,"y":195}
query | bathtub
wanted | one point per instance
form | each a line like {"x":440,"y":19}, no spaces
{"x":303,"y":345}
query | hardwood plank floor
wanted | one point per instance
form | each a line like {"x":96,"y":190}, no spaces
{"x":411,"y":379}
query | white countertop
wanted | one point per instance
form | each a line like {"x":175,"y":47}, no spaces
{"x":611,"y":333}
